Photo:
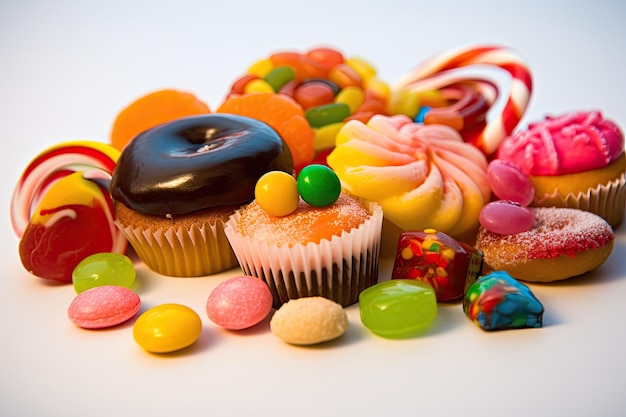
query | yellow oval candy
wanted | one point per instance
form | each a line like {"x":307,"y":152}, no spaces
{"x":167,"y":328}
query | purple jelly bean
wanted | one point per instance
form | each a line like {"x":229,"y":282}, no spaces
{"x":506,"y":217}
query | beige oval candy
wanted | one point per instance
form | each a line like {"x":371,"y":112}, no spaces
{"x":309,"y":320}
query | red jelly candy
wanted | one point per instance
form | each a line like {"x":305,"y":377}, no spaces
{"x":435,"y":258}
{"x":327,"y":57}
{"x":313,"y":94}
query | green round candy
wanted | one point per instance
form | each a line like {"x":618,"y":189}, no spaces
{"x":103,"y":269}
{"x":318,"y":185}
{"x":398,"y":308}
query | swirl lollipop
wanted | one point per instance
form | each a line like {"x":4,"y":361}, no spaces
{"x":441,"y":73}
{"x":62,"y":210}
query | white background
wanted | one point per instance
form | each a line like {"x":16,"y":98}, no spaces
{"x":68,"y":67}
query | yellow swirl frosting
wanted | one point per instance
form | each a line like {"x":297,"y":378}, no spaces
{"x":424,"y":176}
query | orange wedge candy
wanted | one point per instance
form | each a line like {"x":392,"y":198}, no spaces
{"x":282,"y":113}
{"x":151,"y":110}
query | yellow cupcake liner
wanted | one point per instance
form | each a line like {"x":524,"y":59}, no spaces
{"x":338,"y":269}
{"x":606,"y":200}
{"x":199,"y":250}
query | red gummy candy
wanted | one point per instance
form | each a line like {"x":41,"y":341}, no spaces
{"x":435,"y":258}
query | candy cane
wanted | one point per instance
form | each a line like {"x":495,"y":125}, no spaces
{"x":435,"y":73}
{"x":96,"y":159}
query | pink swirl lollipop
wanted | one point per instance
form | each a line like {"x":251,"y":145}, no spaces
{"x":96,"y":159}
{"x":440,"y":71}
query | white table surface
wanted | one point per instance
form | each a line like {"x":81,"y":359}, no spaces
{"x":67,"y":68}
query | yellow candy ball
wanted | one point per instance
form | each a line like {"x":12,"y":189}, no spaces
{"x":167,"y":328}
{"x":258,"y":86}
{"x":276,"y":192}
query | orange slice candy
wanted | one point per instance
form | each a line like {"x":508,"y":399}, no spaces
{"x":151,"y":110}
{"x":283,"y":114}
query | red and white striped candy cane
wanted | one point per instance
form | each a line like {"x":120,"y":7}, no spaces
{"x":96,"y":159}
{"x":438,"y":72}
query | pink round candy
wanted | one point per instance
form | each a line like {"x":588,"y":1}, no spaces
{"x":103,"y":306}
{"x":508,"y":182}
{"x":506,"y":217}
{"x":239,"y":303}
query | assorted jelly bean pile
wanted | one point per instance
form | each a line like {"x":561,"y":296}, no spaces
{"x":331,"y":88}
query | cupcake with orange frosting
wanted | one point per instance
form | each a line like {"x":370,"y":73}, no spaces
{"x":423,"y":176}
{"x":329,"y":251}
{"x":575,"y":160}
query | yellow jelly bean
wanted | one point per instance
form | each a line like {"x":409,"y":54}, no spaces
{"x":352,"y":96}
{"x":167,"y":328}
{"x":258,"y":86}
{"x":261,"y":67}
{"x":448,"y":253}
{"x":362,"y":67}
{"x":403,"y":102}
{"x":378,"y":87}
{"x":276,"y":192}
{"x":432,"y":98}
{"x":324,"y":137}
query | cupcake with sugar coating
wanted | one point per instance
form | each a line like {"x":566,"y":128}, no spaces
{"x":329,"y":251}
{"x":575,"y":160}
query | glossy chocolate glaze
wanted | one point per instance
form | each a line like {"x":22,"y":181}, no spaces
{"x":197,"y":162}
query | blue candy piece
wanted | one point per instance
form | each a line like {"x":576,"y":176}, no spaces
{"x":421,"y":114}
{"x":498,"y":301}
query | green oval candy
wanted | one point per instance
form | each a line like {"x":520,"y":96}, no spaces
{"x":105,"y":268}
{"x":326,"y":114}
{"x":398,"y":308}
{"x":280,"y":76}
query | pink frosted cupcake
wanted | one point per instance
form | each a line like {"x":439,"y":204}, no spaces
{"x":575,"y":160}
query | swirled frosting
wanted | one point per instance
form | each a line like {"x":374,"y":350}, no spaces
{"x":424,"y":176}
{"x":566,"y":144}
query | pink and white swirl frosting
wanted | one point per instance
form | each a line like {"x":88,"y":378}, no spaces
{"x":567,"y":144}
{"x":424,"y":176}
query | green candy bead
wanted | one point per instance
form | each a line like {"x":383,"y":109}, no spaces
{"x":103,"y":269}
{"x":318,"y":185}
{"x":326,"y":114}
{"x":398,"y":308}
{"x":280,"y":76}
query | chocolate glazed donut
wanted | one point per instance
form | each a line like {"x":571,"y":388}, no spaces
{"x":197,"y":162}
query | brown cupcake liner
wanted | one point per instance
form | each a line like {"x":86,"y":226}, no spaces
{"x":338,"y":269}
{"x":201,"y":249}
{"x":606,"y":200}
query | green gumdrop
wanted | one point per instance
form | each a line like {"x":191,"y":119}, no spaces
{"x":398,"y":308}
{"x":318,"y":185}
{"x":105,"y":268}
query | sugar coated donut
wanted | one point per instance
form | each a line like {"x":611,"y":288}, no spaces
{"x":197,"y":162}
{"x":563,"y":243}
